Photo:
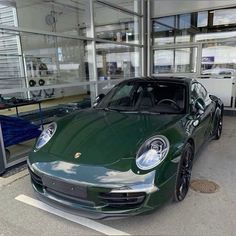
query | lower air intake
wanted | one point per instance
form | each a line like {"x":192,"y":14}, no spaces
{"x":122,"y":200}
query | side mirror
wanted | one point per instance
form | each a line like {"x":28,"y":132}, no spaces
{"x":98,"y":99}
{"x":200,"y":105}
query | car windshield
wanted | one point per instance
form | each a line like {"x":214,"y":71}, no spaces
{"x":146,"y":96}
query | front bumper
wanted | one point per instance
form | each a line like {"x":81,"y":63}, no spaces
{"x":114,"y":196}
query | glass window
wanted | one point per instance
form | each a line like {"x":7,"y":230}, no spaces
{"x":8,"y":15}
{"x":185,"y":60}
{"x":184,"y":21}
{"x":165,"y":39}
{"x":202,"y":19}
{"x":194,"y":27}
{"x":163,"y":61}
{"x":9,"y":43}
{"x":11,"y":72}
{"x":215,"y":36}
{"x":69,"y":17}
{"x":218,"y":59}
{"x":11,"y":61}
{"x":117,"y":61}
{"x":164,"y":23}
{"x":183,"y":39}
{"x":163,"y":32}
{"x":224,"y":16}
{"x":181,"y":60}
{"x":54,"y":60}
{"x":172,"y":29}
{"x":116,"y":25}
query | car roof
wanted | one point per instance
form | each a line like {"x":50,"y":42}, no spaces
{"x":171,"y":79}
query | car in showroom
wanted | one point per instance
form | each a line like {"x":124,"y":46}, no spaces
{"x":131,"y":152}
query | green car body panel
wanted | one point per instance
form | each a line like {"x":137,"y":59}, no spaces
{"x":108,"y":142}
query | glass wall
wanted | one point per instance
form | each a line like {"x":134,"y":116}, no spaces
{"x":117,"y":61}
{"x":69,"y":17}
{"x":56,"y":56}
{"x":172,"y":29}
{"x":208,"y":30}
{"x":118,"y":32}
{"x":116,"y":25}
{"x":200,"y":45}
{"x":219,"y":58}
{"x":131,"y":5}
{"x":54,"y":60}
{"x":11,"y":63}
{"x":176,"y":60}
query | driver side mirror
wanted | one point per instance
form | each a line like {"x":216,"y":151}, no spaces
{"x":98,"y":99}
{"x":200,"y":106}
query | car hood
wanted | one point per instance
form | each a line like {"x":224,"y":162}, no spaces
{"x":104,"y":137}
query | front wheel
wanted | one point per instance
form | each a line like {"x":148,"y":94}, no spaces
{"x":184,"y":173}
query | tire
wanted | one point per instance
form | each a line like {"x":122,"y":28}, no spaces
{"x":219,"y":127}
{"x":184,"y":173}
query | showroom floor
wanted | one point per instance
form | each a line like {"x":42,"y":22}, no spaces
{"x":198,"y":214}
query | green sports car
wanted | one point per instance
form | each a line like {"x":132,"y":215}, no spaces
{"x":131,"y":152}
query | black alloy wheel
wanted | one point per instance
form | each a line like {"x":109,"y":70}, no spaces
{"x":219,"y":128}
{"x":184,"y":173}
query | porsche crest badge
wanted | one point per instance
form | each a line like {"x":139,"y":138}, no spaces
{"x":77,"y":155}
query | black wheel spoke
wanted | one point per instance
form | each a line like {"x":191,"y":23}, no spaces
{"x":184,"y":174}
{"x":219,"y":127}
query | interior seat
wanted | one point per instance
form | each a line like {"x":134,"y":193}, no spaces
{"x":145,"y":100}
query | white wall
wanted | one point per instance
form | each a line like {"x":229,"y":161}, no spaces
{"x":174,"y":7}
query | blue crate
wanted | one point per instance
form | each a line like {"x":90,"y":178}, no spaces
{"x":16,"y":130}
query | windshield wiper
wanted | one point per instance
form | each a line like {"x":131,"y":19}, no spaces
{"x":129,"y":111}
{"x":150,"y":112}
{"x":111,"y":109}
{"x":144,"y":112}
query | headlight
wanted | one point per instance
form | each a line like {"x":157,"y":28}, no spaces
{"x":46,"y":135}
{"x":152,"y":152}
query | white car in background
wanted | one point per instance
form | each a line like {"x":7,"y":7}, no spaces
{"x":219,"y":72}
